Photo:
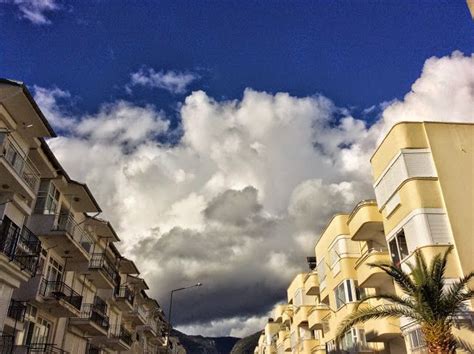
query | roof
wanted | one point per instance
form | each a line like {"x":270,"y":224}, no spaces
{"x":54,"y":161}
{"x":32,"y":102}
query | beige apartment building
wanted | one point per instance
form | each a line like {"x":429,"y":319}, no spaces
{"x":424,"y":184}
{"x":64,"y":286}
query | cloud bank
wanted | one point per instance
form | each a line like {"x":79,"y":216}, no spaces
{"x":239,"y":201}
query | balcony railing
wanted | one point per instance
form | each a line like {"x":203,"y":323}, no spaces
{"x":6,"y":343}
{"x":20,"y":245}
{"x":92,"y":349}
{"x":59,"y":290}
{"x":17,"y":310}
{"x":124,"y":292}
{"x":67,"y":223}
{"x":19,"y":161}
{"x":118,"y":331}
{"x":102,"y":262}
{"x":100,"y":305}
{"x":44,"y":348}
{"x":90,"y":312}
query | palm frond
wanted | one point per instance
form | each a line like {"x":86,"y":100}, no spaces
{"x":372,"y":313}
{"x":394,"y":299}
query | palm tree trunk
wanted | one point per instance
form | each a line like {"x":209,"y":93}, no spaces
{"x":439,"y":338}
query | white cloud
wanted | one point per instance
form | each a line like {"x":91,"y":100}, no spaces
{"x":239,"y":201}
{"x":35,"y":10}
{"x":171,"y":81}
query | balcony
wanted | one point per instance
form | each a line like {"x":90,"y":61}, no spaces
{"x":21,"y":246}
{"x":6,"y":343}
{"x":118,"y":339}
{"x":382,"y":331}
{"x":101,"y":271}
{"x":44,"y":348}
{"x":287,"y":315}
{"x":59,"y":299}
{"x":317,"y":315}
{"x":284,"y":339}
{"x":150,"y":328}
{"x":92,"y":320}
{"x":308,"y":345}
{"x":64,"y":234}
{"x":301,"y":315}
{"x":137,"y":316}
{"x":365,"y":222}
{"x":17,"y":171}
{"x":124,"y":298}
{"x":371,"y":277}
{"x":17,"y":310}
{"x":311,"y":284}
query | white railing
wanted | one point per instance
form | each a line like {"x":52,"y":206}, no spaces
{"x":19,"y":161}
{"x":67,"y":223}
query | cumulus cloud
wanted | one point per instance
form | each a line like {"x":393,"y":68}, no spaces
{"x":239,"y":201}
{"x":172,"y":81}
{"x":35,"y":10}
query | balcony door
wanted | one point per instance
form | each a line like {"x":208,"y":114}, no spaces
{"x":54,"y":271}
{"x":38,"y":332}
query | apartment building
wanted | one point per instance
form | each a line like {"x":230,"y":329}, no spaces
{"x":64,"y":286}
{"x":424,"y":186}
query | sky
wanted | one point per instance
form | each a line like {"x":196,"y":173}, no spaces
{"x":220,"y":137}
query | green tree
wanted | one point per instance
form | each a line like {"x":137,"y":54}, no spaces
{"x":427,"y":299}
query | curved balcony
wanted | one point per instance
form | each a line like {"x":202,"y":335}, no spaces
{"x":365,"y":222}
{"x":301,"y":315}
{"x":284,"y":340}
{"x":382,"y":331}
{"x":317,"y":315}
{"x":287,"y":316}
{"x":308,"y":345}
{"x":371,"y":277}
{"x":311,"y":284}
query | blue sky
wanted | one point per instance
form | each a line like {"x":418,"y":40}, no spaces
{"x":358,"y":53}
{"x":253,"y":175}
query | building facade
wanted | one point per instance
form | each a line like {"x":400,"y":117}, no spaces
{"x":64,"y":286}
{"x":423,"y":178}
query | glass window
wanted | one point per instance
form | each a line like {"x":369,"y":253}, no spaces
{"x":340,"y":295}
{"x":349,"y":290}
{"x":48,"y":198}
{"x":398,"y":248}
{"x":402,"y":244}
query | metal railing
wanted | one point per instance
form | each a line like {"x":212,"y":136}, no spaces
{"x":17,"y":310}
{"x":124,"y":292}
{"x":19,"y":161}
{"x":118,"y":331}
{"x":67,"y":223}
{"x":44,"y":348}
{"x":90,"y":312}
{"x":20,"y":245}
{"x":59,"y":290}
{"x":102,"y":262}
{"x":100,"y":305}
{"x":6,"y":343}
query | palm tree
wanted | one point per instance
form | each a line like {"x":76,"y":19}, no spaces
{"x":428,"y":299}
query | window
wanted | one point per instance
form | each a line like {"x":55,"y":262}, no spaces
{"x":340,"y":295}
{"x":321,"y":270}
{"x":298,"y":299}
{"x":354,"y":341}
{"x":398,"y":248}
{"x":48,"y":198}
{"x":347,"y":291}
{"x":416,"y":339}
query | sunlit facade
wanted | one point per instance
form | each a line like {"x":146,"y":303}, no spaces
{"x":64,"y":286}
{"x":424,"y":185}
